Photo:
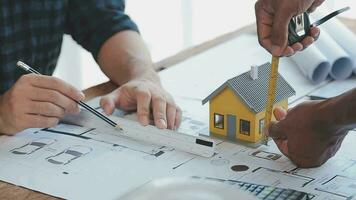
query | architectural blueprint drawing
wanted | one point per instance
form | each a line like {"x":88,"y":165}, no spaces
{"x":340,"y":186}
{"x":32,"y":146}
{"x":68,"y":155}
{"x":74,"y":166}
{"x":70,"y":161}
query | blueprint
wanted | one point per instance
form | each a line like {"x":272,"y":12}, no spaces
{"x":78,"y":162}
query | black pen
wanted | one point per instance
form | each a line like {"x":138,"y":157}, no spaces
{"x":30,"y":70}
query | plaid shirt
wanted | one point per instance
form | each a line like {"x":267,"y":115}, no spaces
{"x":32,"y":31}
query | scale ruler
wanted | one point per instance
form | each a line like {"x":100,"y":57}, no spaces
{"x":192,"y":144}
{"x":150,"y":134}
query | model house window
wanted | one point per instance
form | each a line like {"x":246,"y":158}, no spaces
{"x":244,"y":127}
{"x":261,"y":125}
{"x":219,"y":121}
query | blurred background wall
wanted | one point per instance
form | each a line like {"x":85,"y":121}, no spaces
{"x":169,"y":26}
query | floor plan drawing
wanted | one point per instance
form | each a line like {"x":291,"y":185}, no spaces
{"x":68,"y":155}
{"x":280,"y":178}
{"x":60,"y":156}
{"x":111,"y":139}
{"x":33,"y":146}
{"x":340,"y":186}
{"x":266,"y":155}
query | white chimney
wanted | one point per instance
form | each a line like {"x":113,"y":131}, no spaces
{"x":254,"y":72}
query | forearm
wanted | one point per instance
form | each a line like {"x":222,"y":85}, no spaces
{"x":341,"y":110}
{"x":126,"y":61}
{"x":124,"y":57}
{"x":2,"y":124}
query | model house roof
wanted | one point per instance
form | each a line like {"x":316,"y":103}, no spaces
{"x":254,"y":92}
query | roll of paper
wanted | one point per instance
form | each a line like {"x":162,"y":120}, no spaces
{"x":313,"y":64}
{"x":341,"y":63}
{"x":340,"y":33}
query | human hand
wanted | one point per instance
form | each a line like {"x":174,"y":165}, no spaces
{"x":149,"y":99}
{"x":37,"y":101}
{"x":273,"y":17}
{"x":305,"y":136}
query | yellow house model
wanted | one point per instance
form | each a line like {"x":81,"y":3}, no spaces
{"x":237,"y":108}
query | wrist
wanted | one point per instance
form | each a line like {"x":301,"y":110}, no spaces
{"x":340,"y":111}
{"x":150,"y":75}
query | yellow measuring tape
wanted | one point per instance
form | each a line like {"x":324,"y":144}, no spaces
{"x":271,"y":95}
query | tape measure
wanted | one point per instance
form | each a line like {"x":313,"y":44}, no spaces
{"x":271,"y":94}
{"x":298,"y":28}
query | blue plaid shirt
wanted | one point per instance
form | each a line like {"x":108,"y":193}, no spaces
{"x":32,"y":31}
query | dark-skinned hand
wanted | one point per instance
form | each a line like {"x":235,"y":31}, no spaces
{"x":273,"y":17}
{"x":305,"y":135}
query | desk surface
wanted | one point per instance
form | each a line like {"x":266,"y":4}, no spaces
{"x":9,"y":191}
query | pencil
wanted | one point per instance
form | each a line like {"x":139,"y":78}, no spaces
{"x":30,"y":70}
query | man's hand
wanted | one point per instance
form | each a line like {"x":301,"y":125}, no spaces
{"x":125,"y":59}
{"x":273,"y":18}
{"x":306,"y":134}
{"x":149,"y":99}
{"x":36,"y":101}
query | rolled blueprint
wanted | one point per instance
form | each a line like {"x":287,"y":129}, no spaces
{"x":313,"y":64}
{"x":340,"y":33}
{"x":341,"y":63}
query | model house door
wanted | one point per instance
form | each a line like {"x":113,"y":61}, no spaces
{"x":231,"y":126}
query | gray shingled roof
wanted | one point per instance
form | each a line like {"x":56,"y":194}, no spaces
{"x":254,"y":92}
